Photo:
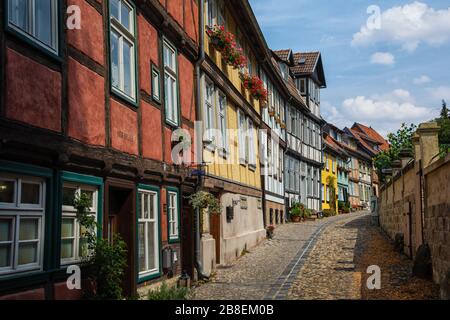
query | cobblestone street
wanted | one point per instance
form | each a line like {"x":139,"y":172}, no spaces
{"x":322,"y":260}
{"x":269,"y":270}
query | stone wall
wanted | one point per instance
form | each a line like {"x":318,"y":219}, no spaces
{"x":437,"y":216}
{"x":416,"y":202}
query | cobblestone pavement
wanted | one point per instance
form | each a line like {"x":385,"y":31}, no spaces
{"x":269,"y":270}
{"x":329,"y":272}
{"x":336,"y":268}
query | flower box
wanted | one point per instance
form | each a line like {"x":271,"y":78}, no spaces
{"x":255,"y":85}
{"x":224,"y":42}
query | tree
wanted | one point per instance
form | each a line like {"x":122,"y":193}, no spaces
{"x":444,"y":132}
{"x":398,"y":141}
{"x":444,"y":111}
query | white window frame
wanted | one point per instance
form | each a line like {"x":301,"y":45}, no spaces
{"x":16,"y":212}
{"x":69,"y":212}
{"x":30,"y":33}
{"x":173,"y":108}
{"x":251,"y":150}
{"x":242,"y":129}
{"x":129,"y":35}
{"x":149,"y":272}
{"x":173,"y":216}
{"x":211,"y":12}
{"x":209,"y":109}
{"x":222,"y":121}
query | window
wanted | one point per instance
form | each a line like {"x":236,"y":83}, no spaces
{"x":156,"y":84}
{"x":211,"y":11}
{"x":222,"y":121}
{"x":22,"y":215}
{"x":303,"y":86}
{"x":280,"y":164}
{"x":123,"y":39}
{"x":37,"y":20}
{"x":241,"y":138}
{"x":171,"y":83}
{"x":250,"y":150}
{"x":322,"y":188}
{"x":173,"y":215}
{"x":73,"y":244}
{"x":148,"y":237}
{"x":209,"y":108}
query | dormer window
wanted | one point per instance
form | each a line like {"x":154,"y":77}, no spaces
{"x":284,"y":71}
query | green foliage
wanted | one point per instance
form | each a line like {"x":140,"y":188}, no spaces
{"x":329,"y":213}
{"x":444,"y":111}
{"x":105,"y":261}
{"x":398,"y":141}
{"x":297,"y":210}
{"x":205,"y":200}
{"x":331,"y":182}
{"x":444,"y":133}
{"x":168,"y":293}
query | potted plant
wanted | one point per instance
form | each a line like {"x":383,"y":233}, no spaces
{"x":297,"y":212}
{"x":283,"y":125}
{"x":270,"y":231}
{"x":271,"y":112}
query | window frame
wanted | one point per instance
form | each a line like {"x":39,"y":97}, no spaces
{"x":33,"y":41}
{"x":156,"y":273}
{"x":224,"y":151}
{"x":117,"y":27}
{"x":177,"y":237}
{"x":156,"y":73}
{"x":69,"y":212}
{"x":174,"y":75}
{"x":16,"y":212}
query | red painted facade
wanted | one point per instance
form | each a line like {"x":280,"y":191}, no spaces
{"x":33,"y":92}
{"x":78,"y":124}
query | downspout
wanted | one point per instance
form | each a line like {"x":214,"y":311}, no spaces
{"x":201,"y":57}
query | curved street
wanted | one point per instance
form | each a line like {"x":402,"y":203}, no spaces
{"x":322,"y":260}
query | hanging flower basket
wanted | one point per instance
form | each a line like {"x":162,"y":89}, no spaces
{"x":224,"y":42}
{"x":271,"y":112}
{"x":255,"y":85}
{"x":283,"y":126}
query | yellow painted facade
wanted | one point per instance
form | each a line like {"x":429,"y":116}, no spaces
{"x":330,"y":170}
{"x":230,"y":168}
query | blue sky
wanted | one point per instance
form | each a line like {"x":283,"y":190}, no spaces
{"x":383,"y":76}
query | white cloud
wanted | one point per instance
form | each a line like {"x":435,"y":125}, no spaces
{"x":439,"y":93}
{"x":385,"y":113}
{"x":422,"y":80}
{"x":384,"y":58}
{"x":408,"y":26}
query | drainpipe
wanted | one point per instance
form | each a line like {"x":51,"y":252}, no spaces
{"x":201,"y":57}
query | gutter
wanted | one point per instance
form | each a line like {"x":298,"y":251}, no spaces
{"x":201,"y":57}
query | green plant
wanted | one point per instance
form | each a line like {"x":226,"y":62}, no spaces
{"x":307,"y":213}
{"x":329,"y":213}
{"x":297,"y":210}
{"x":105,"y":261}
{"x":205,"y":200}
{"x":444,"y":132}
{"x":168,"y":293}
{"x":398,"y":141}
{"x":331,"y":181}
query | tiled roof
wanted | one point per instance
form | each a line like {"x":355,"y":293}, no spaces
{"x":334,"y":145}
{"x":374,"y":135}
{"x":305,"y":62}
{"x":358,"y":136}
{"x":283,"y":54}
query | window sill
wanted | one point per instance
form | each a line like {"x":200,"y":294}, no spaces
{"x":252,"y":167}
{"x":29,"y":40}
{"x":123,"y":97}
